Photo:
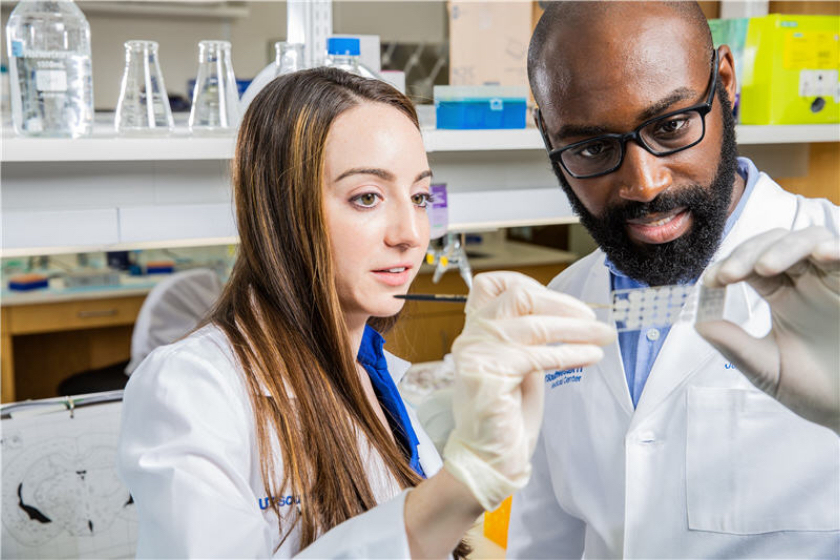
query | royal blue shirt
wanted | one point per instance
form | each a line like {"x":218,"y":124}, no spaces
{"x":639,"y":349}
{"x":372,"y":358}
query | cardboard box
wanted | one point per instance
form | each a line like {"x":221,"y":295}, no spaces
{"x":791,"y":70}
{"x":488,"y":42}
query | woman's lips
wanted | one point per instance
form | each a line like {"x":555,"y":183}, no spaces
{"x":396,"y":276}
{"x":660,"y":228}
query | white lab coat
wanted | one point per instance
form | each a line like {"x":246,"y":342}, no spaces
{"x":707,"y":466}
{"x":188,"y":454}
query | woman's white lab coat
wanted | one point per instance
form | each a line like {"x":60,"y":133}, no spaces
{"x":188,"y":454}
{"x":707,"y":466}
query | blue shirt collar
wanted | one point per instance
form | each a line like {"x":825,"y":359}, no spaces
{"x":749,"y":172}
{"x":371,"y":353}
{"x":372,"y":357}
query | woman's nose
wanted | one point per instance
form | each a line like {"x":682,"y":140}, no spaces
{"x":406,"y":226}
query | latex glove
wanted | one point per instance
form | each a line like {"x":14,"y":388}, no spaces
{"x":500,"y":358}
{"x":798,"y":362}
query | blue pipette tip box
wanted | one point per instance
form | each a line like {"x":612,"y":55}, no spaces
{"x":480,"y":107}
{"x":27,"y":282}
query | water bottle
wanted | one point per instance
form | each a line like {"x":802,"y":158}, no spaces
{"x":288,"y":58}
{"x":343,"y":53}
{"x":48,"y":42}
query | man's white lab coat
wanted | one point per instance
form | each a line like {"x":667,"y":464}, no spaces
{"x":707,"y":466}
{"x":188,"y":454}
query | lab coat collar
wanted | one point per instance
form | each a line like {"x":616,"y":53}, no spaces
{"x":610,"y":368}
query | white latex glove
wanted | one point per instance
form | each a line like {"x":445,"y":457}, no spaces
{"x":798,"y":362}
{"x":501,"y":357}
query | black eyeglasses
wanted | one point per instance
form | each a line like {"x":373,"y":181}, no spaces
{"x":661,"y":136}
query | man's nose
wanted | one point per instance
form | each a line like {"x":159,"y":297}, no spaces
{"x":643,"y":175}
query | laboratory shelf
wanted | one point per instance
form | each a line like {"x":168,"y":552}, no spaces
{"x":105,"y":145}
{"x":439,"y":140}
{"x":750,"y":134}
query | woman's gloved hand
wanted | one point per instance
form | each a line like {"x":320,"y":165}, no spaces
{"x":515,"y":330}
{"x":798,"y":362}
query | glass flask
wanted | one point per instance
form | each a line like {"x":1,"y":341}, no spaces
{"x":51,"y":77}
{"x":288,"y":58}
{"x":143,"y":107}
{"x":215,"y":100}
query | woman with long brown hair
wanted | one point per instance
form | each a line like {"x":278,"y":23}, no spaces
{"x":277,"y":426}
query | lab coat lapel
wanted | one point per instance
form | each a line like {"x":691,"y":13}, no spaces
{"x":610,"y":368}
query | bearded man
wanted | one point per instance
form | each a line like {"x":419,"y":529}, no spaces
{"x":678,"y":445}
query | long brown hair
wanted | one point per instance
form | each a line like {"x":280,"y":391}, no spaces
{"x":281,"y":312}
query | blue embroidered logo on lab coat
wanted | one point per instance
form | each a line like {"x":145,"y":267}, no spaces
{"x":282,"y":501}
{"x":564,"y":377}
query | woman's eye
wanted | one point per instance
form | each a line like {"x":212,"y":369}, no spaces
{"x":422,"y":199}
{"x":365,"y":200}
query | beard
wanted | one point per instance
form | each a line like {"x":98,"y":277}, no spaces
{"x":684,"y":258}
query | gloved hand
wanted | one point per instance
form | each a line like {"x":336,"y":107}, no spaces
{"x":501,"y":357}
{"x":798,"y":362}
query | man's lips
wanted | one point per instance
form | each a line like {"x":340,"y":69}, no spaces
{"x":660,"y":227}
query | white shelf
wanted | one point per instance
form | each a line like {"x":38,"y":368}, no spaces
{"x":105,"y":145}
{"x":750,"y":134}
{"x":481,"y":140}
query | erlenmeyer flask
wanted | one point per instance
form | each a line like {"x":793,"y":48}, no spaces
{"x":288,"y":58}
{"x":143,"y":106}
{"x":215,"y":98}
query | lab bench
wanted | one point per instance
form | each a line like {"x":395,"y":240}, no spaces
{"x":49,"y":335}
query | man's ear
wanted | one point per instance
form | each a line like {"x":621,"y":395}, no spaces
{"x":726,"y":72}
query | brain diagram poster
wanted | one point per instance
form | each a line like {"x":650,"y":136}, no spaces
{"x":61,"y":494}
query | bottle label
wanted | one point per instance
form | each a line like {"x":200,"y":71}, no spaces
{"x":17,"y":48}
{"x":51,"y":80}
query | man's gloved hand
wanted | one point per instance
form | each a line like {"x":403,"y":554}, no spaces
{"x":798,"y":362}
{"x":501,"y":357}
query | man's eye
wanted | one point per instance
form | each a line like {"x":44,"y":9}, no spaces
{"x":365,"y":200}
{"x":672,"y":126}
{"x":592,"y":150}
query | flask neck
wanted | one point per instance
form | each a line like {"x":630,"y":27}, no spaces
{"x":343,"y":60}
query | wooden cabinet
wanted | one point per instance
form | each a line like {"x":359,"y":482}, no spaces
{"x":426,"y":329}
{"x":43,"y":343}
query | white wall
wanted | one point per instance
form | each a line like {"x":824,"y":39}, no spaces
{"x":252,"y":36}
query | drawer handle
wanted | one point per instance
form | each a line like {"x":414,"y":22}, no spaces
{"x":99,"y":313}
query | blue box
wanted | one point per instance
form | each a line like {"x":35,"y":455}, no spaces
{"x":475,"y":107}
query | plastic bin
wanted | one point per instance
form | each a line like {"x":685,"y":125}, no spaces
{"x":475,"y":107}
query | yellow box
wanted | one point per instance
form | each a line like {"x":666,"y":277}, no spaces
{"x":496,"y":523}
{"x":791,"y":70}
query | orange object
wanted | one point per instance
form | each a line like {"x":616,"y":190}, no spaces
{"x":26,"y":282}
{"x":496,"y":523}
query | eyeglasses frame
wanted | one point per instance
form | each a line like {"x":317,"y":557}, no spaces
{"x":702,"y":108}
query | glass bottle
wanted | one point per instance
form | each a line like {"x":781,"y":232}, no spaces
{"x":343,"y":53}
{"x":215,"y":101}
{"x":51,"y":77}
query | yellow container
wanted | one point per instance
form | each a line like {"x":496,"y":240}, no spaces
{"x":496,"y":523}
{"x":791,"y":70}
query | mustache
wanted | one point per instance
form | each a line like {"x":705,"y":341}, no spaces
{"x":684,"y":197}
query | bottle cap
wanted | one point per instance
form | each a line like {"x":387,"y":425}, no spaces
{"x":343,"y":46}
